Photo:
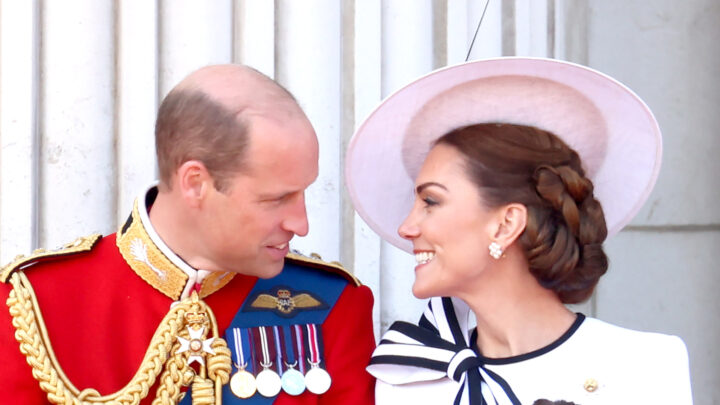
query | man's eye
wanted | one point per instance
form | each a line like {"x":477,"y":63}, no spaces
{"x":274,"y":200}
{"x":282,"y":199}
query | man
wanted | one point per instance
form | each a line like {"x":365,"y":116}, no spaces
{"x":197,"y":298}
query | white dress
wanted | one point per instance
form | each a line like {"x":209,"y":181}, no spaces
{"x":592,"y":363}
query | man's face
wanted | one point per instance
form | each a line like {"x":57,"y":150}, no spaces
{"x":249,"y":224}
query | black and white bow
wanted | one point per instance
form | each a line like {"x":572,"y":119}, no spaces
{"x":436,"y":348}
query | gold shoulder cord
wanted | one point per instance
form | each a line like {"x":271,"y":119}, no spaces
{"x":180,"y":339}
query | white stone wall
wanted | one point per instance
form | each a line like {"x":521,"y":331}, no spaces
{"x":80,"y":81}
{"x":663,"y":275}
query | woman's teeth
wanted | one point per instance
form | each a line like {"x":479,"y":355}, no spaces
{"x":424,"y":257}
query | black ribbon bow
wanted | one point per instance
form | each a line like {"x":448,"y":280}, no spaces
{"x":438,"y":343}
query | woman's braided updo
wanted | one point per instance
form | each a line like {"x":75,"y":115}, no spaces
{"x":565,"y":223}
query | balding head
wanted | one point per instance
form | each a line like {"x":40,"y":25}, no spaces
{"x":241,"y":90}
{"x":207,"y":117}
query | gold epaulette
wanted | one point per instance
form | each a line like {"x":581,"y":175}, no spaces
{"x":316,"y":261}
{"x":81,"y":244}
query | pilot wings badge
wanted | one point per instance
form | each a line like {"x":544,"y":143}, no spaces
{"x":285,"y":302}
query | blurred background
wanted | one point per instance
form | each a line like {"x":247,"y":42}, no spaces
{"x":80,"y":82}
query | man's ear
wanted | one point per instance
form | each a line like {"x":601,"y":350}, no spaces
{"x":194,"y":182}
{"x":511,"y":222}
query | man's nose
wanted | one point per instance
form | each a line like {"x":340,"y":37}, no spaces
{"x":296,"y":220}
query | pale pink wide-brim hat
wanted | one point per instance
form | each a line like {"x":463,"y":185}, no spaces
{"x":610,"y":127}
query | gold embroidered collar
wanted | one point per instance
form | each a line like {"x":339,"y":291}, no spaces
{"x":152,"y":259}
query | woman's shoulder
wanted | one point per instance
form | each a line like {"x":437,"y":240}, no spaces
{"x":657,"y":359}
{"x":640,"y":364}
{"x":606,"y":363}
{"x":634,"y":342}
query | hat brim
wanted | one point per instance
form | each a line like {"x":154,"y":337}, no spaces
{"x":611,"y":128}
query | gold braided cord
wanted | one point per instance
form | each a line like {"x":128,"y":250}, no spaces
{"x":177,"y":374}
{"x":203,"y":392}
{"x":161,"y":355}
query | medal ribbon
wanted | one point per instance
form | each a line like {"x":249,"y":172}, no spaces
{"x":252,"y":345}
{"x":313,"y":343}
{"x":267,"y":356}
{"x":239,"y":355}
{"x":288,"y":345}
{"x":278,"y":351}
{"x":299,"y":343}
{"x":440,"y":345}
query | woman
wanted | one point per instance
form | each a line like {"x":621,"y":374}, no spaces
{"x":521,"y":169}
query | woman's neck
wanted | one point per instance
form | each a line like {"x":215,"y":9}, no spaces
{"x":515,"y":315}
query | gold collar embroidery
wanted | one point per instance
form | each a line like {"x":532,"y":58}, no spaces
{"x":154,"y":262}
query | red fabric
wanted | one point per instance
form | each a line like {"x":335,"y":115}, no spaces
{"x":100,"y":317}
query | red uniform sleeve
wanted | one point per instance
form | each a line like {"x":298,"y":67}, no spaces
{"x":349,"y":342}
{"x":18,"y":385}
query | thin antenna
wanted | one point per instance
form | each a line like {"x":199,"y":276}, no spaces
{"x":476,"y":30}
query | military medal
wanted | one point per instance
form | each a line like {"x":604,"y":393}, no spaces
{"x":317,"y":380}
{"x":293,"y":382}
{"x":242,"y":383}
{"x":268,"y":381}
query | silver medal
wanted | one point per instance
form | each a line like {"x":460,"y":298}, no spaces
{"x":268,"y":383}
{"x":243,"y":384}
{"x":317,"y":380}
{"x":293,"y":382}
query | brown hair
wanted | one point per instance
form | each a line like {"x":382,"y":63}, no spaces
{"x":191,"y":126}
{"x":565,"y":223}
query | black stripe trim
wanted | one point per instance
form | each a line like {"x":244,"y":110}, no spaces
{"x":505,"y":386}
{"x":426,"y":324}
{"x":449,"y":310}
{"x":458,"y":397}
{"x":465,"y":365}
{"x":410,"y":361}
{"x":535,"y":353}
{"x":475,"y":381}
{"x":426,"y":337}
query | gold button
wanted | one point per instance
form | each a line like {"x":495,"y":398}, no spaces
{"x":590,"y":385}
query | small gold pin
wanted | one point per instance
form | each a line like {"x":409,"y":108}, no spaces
{"x":590,"y":385}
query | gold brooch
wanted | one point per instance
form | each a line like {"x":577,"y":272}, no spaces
{"x":590,"y":385}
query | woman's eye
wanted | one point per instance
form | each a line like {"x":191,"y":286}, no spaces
{"x":429,"y":201}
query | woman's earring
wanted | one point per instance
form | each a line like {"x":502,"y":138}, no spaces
{"x":495,"y":250}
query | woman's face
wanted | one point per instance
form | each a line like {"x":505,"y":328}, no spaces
{"x":449,"y":227}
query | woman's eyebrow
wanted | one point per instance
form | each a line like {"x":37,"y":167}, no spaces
{"x":423,"y":186}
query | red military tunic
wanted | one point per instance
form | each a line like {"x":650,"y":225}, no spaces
{"x":101,"y":308}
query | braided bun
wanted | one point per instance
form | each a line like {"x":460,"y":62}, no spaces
{"x":563,"y":237}
{"x":565,"y":226}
